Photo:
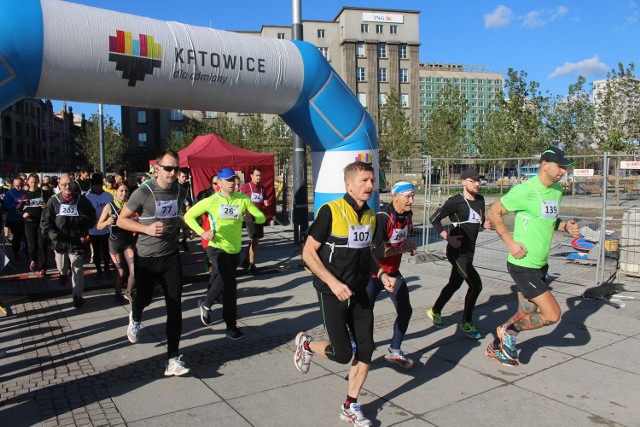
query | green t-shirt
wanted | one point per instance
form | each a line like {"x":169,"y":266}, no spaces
{"x":537,"y":207}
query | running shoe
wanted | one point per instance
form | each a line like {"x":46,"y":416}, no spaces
{"x":133,"y":330}
{"x":399,"y":358}
{"x":302,"y":357}
{"x":119,"y":298}
{"x":176,"y":367}
{"x":436,"y":317}
{"x":498,"y":356}
{"x":469,"y":330}
{"x":205,"y":313}
{"x":507,"y":343}
{"x":252,"y":270}
{"x":234,"y":334}
{"x":353,"y":415}
{"x":32,"y":266}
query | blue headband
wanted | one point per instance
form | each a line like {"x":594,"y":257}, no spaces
{"x":403,"y":187}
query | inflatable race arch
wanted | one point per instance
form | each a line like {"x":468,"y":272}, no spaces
{"x":58,"y":50}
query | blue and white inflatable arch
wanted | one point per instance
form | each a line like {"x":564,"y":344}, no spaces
{"x":59,"y":50}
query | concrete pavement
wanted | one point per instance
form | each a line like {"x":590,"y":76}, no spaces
{"x":76,"y":367}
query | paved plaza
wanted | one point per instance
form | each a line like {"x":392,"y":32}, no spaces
{"x":75,"y":367}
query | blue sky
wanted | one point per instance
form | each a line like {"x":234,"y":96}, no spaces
{"x":553,"y":41}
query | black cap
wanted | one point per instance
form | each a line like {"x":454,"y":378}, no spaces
{"x":470,"y":174}
{"x":555,"y":155}
{"x":96,"y":178}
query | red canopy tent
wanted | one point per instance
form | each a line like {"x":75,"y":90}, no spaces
{"x":207,"y":154}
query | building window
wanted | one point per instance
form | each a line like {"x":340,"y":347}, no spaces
{"x":325,"y":52}
{"x":360,"y":52}
{"x":142,"y":116}
{"x":428,"y":79}
{"x":142,"y":139}
{"x":176,"y":115}
{"x":404,"y":75}
{"x":382,"y":99}
{"x":362,"y":98}
{"x":402,"y":51}
{"x":211,"y":115}
{"x":382,"y":50}
{"x":364,"y":28}
{"x":382,"y":75}
{"x":393,"y":29}
{"x":404,"y":100}
{"x":379,"y":29}
{"x":281,"y":36}
{"x":320,"y":33}
{"x":361,"y":74}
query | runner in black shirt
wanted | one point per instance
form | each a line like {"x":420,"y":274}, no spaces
{"x":466,"y":211}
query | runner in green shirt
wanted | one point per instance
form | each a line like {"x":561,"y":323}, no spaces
{"x":536,"y":203}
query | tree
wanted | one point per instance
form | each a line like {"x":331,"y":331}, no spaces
{"x":617,"y":119}
{"x":115,"y":144}
{"x":570,"y":121}
{"x":515,"y":128}
{"x":444,"y":133}
{"x":278,"y":138}
{"x":396,"y":134}
{"x":254,"y":133}
{"x":177,"y":140}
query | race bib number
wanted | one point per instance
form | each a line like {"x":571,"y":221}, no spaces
{"x":550,"y":209}
{"x":166,"y":209}
{"x":229,"y":212}
{"x":68,"y":210}
{"x":257,"y":197}
{"x":474,"y":217}
{"x":399,"y":235}
{"x":36,"y":202}
{"x":359,"y":236}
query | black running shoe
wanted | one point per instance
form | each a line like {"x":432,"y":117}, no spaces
{"x":234,"y":334}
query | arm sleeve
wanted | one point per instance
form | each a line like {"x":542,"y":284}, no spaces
{"x":380,"y":235}
{"x":258,"y":216}
{"x":442,"y":213}
{"x":516,"y":199}
{"x":321,"y":227}
{"x":190,"y":217}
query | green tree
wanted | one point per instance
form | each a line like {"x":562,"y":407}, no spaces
{"x":444,"y":133}
{"x":226,"y":129}
{"x":115,"y":144}
{"x":617,"y":118}
{"x":396,"y":133}
{"x":278,"y":139}
{"x":570,"y":120}
{"x":179,"y":139}
{"x":516,"y":127}
{"x":254,"y":129}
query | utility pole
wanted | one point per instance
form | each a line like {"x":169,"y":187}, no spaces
{"x":103,"y":166}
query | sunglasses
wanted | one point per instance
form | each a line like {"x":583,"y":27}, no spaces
{"x":169,"y":168}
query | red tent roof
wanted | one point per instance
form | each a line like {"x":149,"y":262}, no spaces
{"x":213,"y":151}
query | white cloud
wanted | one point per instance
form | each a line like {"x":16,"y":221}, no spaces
{"x":539,"y":18}
{"x":501,"y":17}
{"x":591,"y":67}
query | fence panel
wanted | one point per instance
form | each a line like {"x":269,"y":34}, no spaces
{"x":599,"y":193}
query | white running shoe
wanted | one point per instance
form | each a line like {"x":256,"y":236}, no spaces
{"x":176,"y":367}
{"x":302,"y":357}
{"x":354,"y":416}
{"x":133,"y":330}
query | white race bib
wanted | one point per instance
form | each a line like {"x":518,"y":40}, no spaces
{"x":68,"y":210}
{"x":549,"y":209}
{"x":228,"y":212}
{"x":399,"y":235}
{"x":166,"y":209}
{"x":257,"y":197}
{"x":474,"y":217}
{"x":359,"y":236}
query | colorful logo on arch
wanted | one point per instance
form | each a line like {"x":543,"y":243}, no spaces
{"x":135,"y":58}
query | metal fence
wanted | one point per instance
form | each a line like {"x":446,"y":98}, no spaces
{"x":602,"y":193}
